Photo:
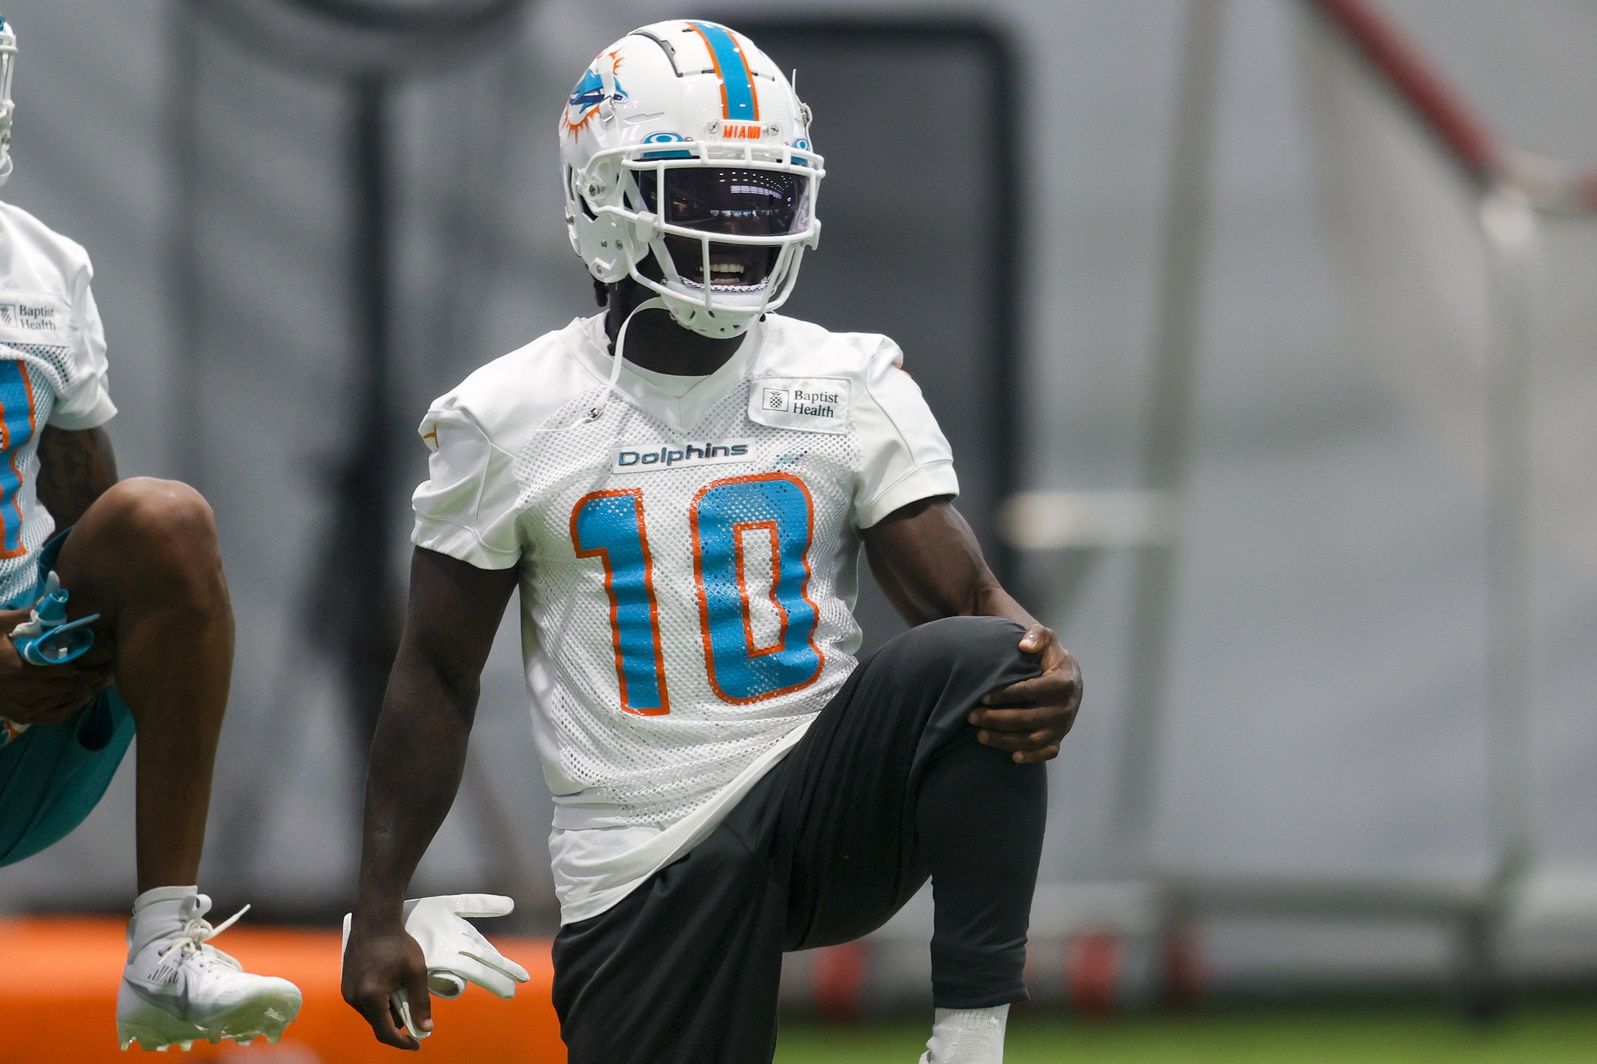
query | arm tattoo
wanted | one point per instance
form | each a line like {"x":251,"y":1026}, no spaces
{"x":74,"y":469}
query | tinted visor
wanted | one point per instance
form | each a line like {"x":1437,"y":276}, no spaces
{"x":738,"y":202}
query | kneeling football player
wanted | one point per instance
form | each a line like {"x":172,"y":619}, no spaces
{"x":680,"y":487}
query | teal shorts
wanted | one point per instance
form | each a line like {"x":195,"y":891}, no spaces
{"x":53,"y":775}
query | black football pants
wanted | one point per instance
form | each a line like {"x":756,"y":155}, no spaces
{"x":888,"y":786}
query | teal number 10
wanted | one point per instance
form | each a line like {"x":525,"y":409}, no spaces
{"x":728,"y":518}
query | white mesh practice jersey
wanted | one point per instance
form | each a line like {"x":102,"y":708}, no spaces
{"x":52,"y":372}
{"x":687,"y":563}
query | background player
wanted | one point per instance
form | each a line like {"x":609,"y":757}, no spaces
{"x":143,"y":555}
{"x":680,"y":487}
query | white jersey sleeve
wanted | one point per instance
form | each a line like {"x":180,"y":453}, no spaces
{"x":86,"y":401}
{"x":49,"y":322}
{"x":466,"y":508}
{"x":904,"y":455}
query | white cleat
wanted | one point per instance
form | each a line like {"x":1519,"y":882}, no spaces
{"x":179,"y":989}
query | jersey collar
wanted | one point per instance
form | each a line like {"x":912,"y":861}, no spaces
{"x":682,"y":413}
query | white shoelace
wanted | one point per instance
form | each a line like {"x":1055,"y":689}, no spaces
{"x":196,"y":933}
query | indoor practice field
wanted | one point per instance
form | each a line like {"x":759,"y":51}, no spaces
{"x":1263,"y":337}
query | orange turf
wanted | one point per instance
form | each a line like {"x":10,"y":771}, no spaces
{"x":60,"y":1002}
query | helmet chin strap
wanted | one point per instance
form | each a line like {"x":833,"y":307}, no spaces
{"x":652,"y":303}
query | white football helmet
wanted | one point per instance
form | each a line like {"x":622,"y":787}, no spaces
{"x":687,"y":166}
{"x":8,"y":58}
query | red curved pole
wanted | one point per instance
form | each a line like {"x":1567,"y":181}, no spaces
{"x":1442,"y":109}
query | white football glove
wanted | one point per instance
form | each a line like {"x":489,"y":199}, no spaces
{"x":454,"y":952}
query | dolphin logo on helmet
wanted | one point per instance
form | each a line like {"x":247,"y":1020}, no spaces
{"x":590,"y":94}
{"x":590,"y":91}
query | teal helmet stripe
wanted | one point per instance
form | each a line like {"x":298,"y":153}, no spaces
{"x":736,"y":81}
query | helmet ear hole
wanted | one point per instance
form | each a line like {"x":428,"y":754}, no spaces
{"x":576,"y":195}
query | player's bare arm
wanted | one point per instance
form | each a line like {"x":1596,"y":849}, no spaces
{"x":75,"y":468}
{"x":417,"y":757}
{"x":928,"y":563}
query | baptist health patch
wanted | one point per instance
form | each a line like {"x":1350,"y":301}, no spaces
{"x":811,"y":404}
{"x":32,"y":320}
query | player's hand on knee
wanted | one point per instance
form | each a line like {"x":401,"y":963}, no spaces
{"x":378,"y":964}
{"x":35,"y":694}
{"x":1031,"y":718}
